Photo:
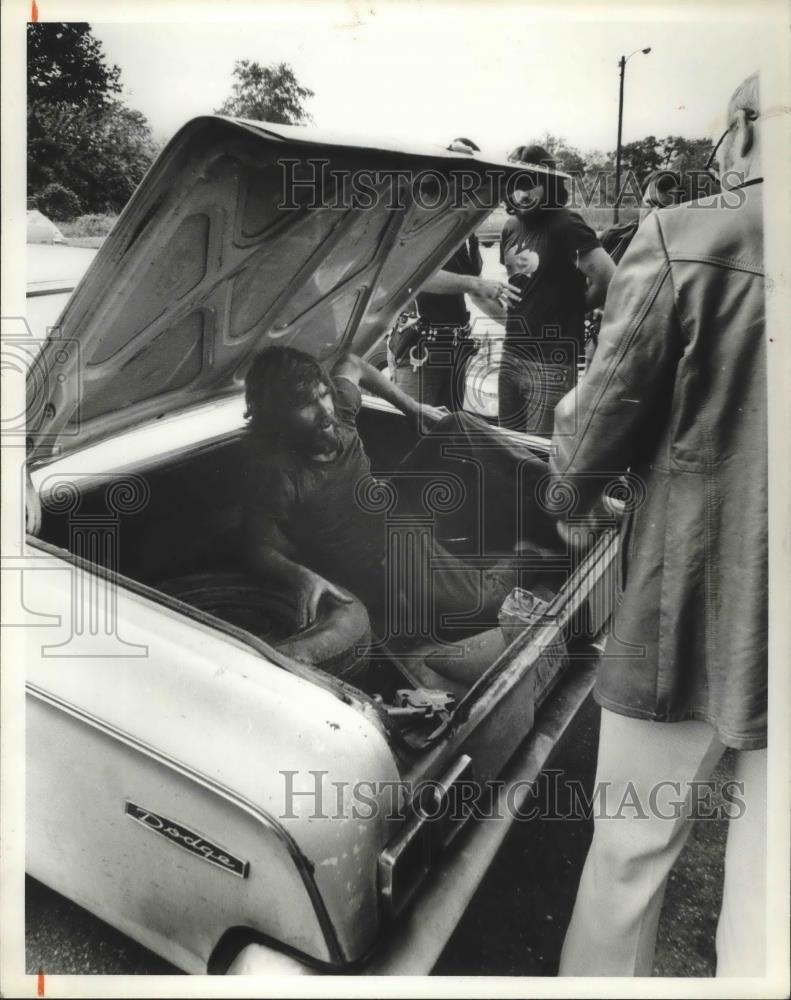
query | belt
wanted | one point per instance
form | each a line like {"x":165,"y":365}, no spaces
{"x":454,"y":333}
{"x":410,"y":338}
{"x":448,"y":336}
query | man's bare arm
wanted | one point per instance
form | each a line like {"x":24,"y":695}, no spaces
{"x":267,"y":558}
{"x":369,"y":378}
{"x":598,"y":268}
{"x":446,"y":283}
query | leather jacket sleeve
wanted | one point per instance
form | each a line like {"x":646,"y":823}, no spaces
{"x":600,"y":425}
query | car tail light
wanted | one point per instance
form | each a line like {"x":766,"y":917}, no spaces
{"x":439,"y":810}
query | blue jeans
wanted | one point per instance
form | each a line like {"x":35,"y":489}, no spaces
{"x":439,"y":380}
{"x":531,"y":383}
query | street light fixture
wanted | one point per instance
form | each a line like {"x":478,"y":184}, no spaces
{"x":622,"y":64}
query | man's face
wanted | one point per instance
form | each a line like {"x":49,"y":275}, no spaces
{"x":312,"y":426}
{"x":527,"y":200}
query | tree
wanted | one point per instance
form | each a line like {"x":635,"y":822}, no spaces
{"x":568,"y":158}
{"x":99,"y":152}
{"x":673,"y":152}
{"x":81,"y":136}
{"x":66,"y":65}
{"x":267,"y":93}
{"x":59,"y":203}
{"x":641,"y":158}
{"x":690,"y":154}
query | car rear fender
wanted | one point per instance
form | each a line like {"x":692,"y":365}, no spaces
{"x":165,"y":723}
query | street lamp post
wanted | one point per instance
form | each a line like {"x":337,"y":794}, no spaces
{"x":622,"y":65}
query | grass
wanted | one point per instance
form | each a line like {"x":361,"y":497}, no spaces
{"x":87,"y":225}
{"x":87,"y":230}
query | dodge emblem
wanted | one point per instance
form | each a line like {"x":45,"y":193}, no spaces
{"x":189,"y":841}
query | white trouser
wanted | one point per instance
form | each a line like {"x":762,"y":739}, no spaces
{"x":616,"y":914}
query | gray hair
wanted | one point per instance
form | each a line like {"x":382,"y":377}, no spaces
{"x":746,"y":97}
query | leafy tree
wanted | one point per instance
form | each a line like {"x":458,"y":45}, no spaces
{"x":673,"y":152}
{"x":690,"y":154}
{"x":59,"y":203}
{"x":568,"y":158}
{"x":641,"y":157}
{"x":267,"y":93}
{"x":66,"y":65}
{"x":100,"y":152}
{"x":81,"y":136}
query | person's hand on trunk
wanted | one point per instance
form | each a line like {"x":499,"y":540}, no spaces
{"x":311,"y":588}
{"x":429,"y":416}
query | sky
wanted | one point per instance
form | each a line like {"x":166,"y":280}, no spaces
{"x":499,"y":73}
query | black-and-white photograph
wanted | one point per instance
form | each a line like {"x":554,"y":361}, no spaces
{"x":397,"y":419}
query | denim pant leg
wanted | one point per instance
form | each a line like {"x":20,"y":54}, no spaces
{"x":468,"y":597}
{"x":440,"y":380}
{"x":530,"y":385}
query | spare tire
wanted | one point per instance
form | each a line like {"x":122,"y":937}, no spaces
{"x":336,"y":642}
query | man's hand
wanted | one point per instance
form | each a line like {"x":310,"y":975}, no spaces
{"x":310,"y":589}
{"x":367,"y":377}
{"x":496,"y":291}
{"x":581,"y":532}
{"x":428,"y":416}
{"x":486,"y":291}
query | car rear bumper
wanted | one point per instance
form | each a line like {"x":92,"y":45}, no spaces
{"x":415,"y":942}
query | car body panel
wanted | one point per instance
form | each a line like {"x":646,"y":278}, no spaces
{"x":188,"y":904}
{"x":42,"y":230}
{"x":218,"y":253}
{"x":147,"y":690}
{"x":60,"y":267}
{"x":408,"y":949}
{"x":53,"y":273}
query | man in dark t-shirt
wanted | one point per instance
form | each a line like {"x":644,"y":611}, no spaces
{"x":561,"y":270}
{"x":315,"y":500}
{"x":316,"y":519}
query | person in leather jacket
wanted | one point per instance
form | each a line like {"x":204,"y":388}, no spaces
{"x":676,"y":393}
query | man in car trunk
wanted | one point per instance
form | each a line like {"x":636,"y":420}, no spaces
{"x":316,"y":519}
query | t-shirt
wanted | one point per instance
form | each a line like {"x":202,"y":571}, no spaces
{"x":540,"y":254}
{"x":326,"y":510}
{"x":451,"y":310}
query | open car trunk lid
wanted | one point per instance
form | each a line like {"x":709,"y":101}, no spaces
{"x":244,"y":234}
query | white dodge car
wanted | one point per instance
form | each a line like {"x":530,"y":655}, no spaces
{"x":198,"y":775}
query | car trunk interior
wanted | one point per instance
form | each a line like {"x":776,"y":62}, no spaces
{"x":192,"y":524}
